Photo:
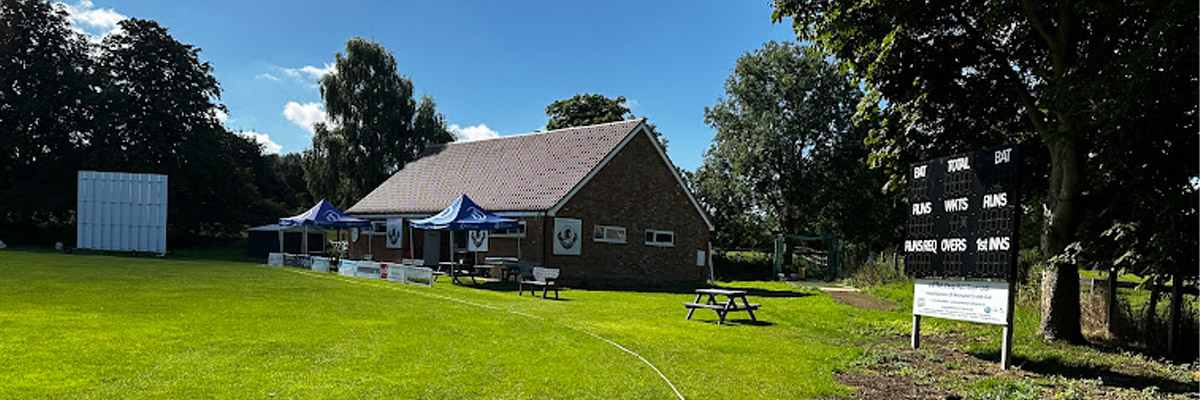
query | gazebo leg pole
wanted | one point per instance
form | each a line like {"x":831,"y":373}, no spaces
{"x":280,"y":239}
{"x":304,"y":246}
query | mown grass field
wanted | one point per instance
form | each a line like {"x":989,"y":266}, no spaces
{"x":95,"y":326}
{"x":74,"y":326}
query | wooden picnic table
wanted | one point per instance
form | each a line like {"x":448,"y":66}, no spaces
{"x":722,"y":308}
{"x":456,"y":270}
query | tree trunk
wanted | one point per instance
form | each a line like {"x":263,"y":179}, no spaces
{"x":1060,"y":281}
{"x":1176,"y":305}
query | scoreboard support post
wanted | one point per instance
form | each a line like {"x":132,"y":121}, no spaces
{"x":1006,"y":345}
{"x":916,"y":332}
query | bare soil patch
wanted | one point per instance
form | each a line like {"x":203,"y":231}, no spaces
{"x":857,"y":299}
{"x":941,"y":370}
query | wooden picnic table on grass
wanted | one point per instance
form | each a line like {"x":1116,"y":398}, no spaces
{"x":456,"y":271}
{"x":722,"y":308}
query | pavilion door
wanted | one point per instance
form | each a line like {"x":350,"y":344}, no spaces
{"x":432,"y":246}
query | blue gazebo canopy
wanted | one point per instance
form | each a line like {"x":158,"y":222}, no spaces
{"x":324,"y":215}
{"x":464,"y":215}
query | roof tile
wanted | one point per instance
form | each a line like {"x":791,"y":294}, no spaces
{"x":529,"y":172}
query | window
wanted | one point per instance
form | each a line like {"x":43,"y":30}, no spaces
{"x":660,"y":238}
{"x":378,"y":228}
{"x":510,"y":233}
{"x":609,"y":234}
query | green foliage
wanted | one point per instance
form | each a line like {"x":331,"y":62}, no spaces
{"x":1069,"y":80}
{"x":138,"y":101}
{"x":880,"y":269}
{"x":159,"y":108}
{"x":590,"y":109}
{"x":46,"y":110}
{"x":742,"y":265}
{"x":586,"y":109}
{"x":1002,"y":389}
{"x":788,"y":157}
{"x":375,"y":125}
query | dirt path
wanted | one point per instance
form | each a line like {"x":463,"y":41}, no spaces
{"x":852,"y":297}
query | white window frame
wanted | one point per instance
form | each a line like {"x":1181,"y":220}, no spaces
{"x":510,"y":235}
{"x":605,"y":238}
{"x":657,"y":243}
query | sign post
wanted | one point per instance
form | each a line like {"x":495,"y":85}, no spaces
{"x":963,"y":232}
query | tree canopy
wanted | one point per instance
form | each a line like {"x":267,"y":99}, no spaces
{"x":590,"y":109}
{"x":375,"y":125}
{"x":46,"y":113}
{"x":1106,"y":89}
{"x":137,"y":101}
{"x":787,"y":156}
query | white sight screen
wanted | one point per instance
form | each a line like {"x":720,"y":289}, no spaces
{"x":122,"y":212}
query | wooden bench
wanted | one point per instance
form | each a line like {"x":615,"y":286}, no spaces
{"x":722,"y":308}
{"x":546,"y":278}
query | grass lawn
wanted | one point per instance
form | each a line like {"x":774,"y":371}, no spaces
{"x":93,"y":326}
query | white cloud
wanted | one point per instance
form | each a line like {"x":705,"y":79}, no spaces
{"x":97,"y":22}
{"x":269,"y":146}
{"x":309,"y":75}
{"x":304,"y":115}
{"x":267,"y":76}
{"x":222,"y":116}
{"x":476,"y":132}
{"x":632,"y":103}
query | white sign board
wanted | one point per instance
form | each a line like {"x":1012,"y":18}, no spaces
{"x":975,"y":301}
{"x":395,"y":233}
{"x":418,"y":276}
{"x":347,"y":267}
{"x":567,"y":236}
{"x":477,"y":241}
{"x":121,"y":212}
{"x":275,"y":259}
{"x":369,"y":270}
{"x":320,"y":264}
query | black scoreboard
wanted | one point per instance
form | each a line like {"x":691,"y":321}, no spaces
{"x":963,"y":215}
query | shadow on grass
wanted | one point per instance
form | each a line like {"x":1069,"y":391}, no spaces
{"x":735,"y":322}
{"x":1055,"y":365}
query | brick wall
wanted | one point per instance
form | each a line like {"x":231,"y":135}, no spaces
{"x":637,"y":191}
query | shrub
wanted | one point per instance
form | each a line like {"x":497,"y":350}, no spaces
{"x":880,"y":269}
{"x":743,"y":265}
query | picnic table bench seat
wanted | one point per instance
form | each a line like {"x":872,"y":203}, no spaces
{"x":546,"y":278}
{"x":722,"y":308}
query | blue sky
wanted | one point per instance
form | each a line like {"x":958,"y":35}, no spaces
{"x":492,"y":66}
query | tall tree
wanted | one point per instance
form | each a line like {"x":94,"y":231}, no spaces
{"x":787,"y":154}
{"x":590,"y":109}
{"x":1081,"y":80}
{"x":375,"y":125}
{"x":159,"y":115}
{"x":46,"y":92}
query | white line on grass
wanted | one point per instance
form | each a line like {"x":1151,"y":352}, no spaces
{"x":491,"y":307}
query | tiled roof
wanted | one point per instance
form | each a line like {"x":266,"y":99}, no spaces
{"x":529,"y":172}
